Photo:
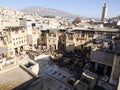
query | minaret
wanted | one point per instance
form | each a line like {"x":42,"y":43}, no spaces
{"x":104,"y":13}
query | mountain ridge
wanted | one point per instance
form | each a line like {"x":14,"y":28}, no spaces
{"x":49,"y":11}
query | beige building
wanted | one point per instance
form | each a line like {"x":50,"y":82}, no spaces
{"x":33,"y":36}
{"x":82,"y":37}
{"x":42,"y":40}
{"x":70,"y":42}
{"x":62,"y":39}
{"x":18,"y":38}
{"x":52,"y":40}
{"x":14,"y":39}
{"x":107,"y":64}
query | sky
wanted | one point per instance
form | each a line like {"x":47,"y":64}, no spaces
{"x":88,"y":8}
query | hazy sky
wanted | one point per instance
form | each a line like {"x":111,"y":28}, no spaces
{"x":89,"y":8}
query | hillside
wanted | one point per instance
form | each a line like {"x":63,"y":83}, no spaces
{"x":48,"y":11}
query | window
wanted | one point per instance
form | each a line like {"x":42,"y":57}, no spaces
{"x":41,"y":39}
{"x":83,"y":34}
{"x":16,"y":32}
{"x":70,"y":38}
{"x":54,"y":35}
{"x":53,"y":41}
{"x":23,"y":31}
{"x":42,"y":34}
{"x":49,"y":34}
{"x":0,"y":33}
{"x":80,"y":41}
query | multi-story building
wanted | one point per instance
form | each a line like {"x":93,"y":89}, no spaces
{"x":52,"y":40}
{"x":30,"y":37}
{"x":105,"y":59}
{"x":14,"y":39}
{"x":62,"y":39}
{"x":42,"y":38}
{"x":82,"y":37}
{"x":70,"y":42}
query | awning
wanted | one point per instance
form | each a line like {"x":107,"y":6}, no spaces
{"x":3,"y":50}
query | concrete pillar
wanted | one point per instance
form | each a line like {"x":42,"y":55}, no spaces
{"x":15,"y":61}
{"x":13,"y":50}
{"x":18,"y":50}
{"x":115,"y":71}
{"x":33,"y":48}
{"x":57,"y":43}
{"x":96,"y":66}
{"x":48,"y":46}
{"x":105,"y":70}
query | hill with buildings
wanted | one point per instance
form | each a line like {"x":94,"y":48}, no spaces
{"x":10,"y":16}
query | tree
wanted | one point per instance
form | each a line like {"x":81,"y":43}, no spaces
{"x":77,"y":20}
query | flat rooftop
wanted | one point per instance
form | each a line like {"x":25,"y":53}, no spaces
{"x":12,"y":79}
{"x":48,"y":83}
{"x":96,"y":29}
{"x":102,"y":56}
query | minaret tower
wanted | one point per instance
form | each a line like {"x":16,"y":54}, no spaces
{"x":104,"y":12}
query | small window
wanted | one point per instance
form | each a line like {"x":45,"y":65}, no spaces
{"x":54,"y":35}
{"x":49,"y":34}
{"x":0,"y":33}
